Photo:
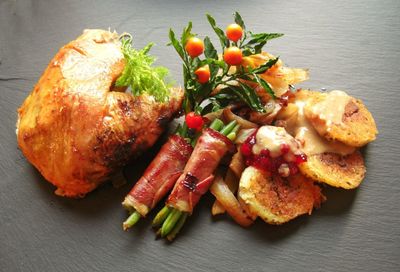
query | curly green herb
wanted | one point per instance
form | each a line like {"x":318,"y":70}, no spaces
{"x":140,"y":74}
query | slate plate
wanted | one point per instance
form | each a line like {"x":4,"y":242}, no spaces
{"x":350,"y":45}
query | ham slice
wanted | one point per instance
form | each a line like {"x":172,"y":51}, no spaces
{"x":198,"y":173}
{"x":160,"y":176}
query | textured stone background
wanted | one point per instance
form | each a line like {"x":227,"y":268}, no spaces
{"x":349,"y":45}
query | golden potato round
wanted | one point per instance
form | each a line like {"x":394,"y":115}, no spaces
{"x":357,"y":126}
{"x":339,"y":171}
{"x":275,"y":199}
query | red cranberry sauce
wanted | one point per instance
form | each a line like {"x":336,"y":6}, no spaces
{"x":284,"y":165}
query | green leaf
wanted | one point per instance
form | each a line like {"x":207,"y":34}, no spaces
{"x":213,"y":71}
{"x":258,"y":47}
{"x":219,"y":101}
{"x":263,"y":37}
{"x":239,"y":20}
{"x":186,"y":34}
{"x":264,"y":84}
{"x":247,"y":95}
{"x":247,"y":51}
{"x":186,"y":75}
{"x":175,"y":43}
{"x":220,"y":63}
{"x":262,"y":68}
{"x":220,"y":33}
{"x":209,"y":50}
{"x":253,"y":97}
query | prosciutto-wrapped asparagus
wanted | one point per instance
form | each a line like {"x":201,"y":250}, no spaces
{"x":158,"y":179}
{"x":196,"y":177}
{"x":198,"y":173}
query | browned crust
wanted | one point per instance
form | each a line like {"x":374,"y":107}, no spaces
{"x":339,"y":171}
{"x":357,"y":129}
{"x":278,"y":200}
{"x":77,"y":132}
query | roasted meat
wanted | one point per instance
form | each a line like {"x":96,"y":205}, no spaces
{"x":76,"y":128}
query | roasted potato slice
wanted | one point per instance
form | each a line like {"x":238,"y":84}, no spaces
{"x":275,"y":199}
{"x":339,"y":171}
{"x":357,"y":126}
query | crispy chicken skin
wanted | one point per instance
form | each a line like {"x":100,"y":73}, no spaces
{"x":76,"y":128}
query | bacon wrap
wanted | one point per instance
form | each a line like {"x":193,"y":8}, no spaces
{"x":160,"y":176}
{"x":198,"y":173}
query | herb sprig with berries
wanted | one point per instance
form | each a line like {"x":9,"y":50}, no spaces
{"x":203,"y":75}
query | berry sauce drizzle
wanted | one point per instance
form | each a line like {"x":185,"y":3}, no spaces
{"x":264,"y":161}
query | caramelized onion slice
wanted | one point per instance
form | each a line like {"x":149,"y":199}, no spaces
{"x":217,"y":208}
{"x":214,"y":115}
{"x":228,"y":200}
{"x":230,"y":116}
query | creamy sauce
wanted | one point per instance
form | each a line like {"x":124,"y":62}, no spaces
{"x":332,"y":108}
{"x":272,"y":138}
{"x":312,"y":142}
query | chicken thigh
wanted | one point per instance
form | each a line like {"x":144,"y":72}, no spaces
{"x":76,"y":127}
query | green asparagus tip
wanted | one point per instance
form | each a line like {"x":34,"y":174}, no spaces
{"x":236,"y":128}
{"x":232,"y":135}
{"x":171,"y":236}
{"x":131,"y":221}
{"x":161,"y":216}
{"x":170,"y":222}
{"x":228,"y":128}
{"x":217,"y":124}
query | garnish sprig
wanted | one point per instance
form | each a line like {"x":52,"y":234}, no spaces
{"x":233,"y":84}
{"x":140,"y":74}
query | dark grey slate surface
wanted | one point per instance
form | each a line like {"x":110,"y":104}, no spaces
{"x":350,"y":45}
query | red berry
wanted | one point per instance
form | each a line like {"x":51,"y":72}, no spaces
{"x":265,"y":152}
{"x":265,"y":163}
{"x":234,"y":32}
{"x":285,"y":148}
{"x":194,"y":121}
{"x":293,"y":168}
{"x":194,"y":46}
{"x":246,"y":149}
{"x":301,"y":158}
{"x":202,"y":74}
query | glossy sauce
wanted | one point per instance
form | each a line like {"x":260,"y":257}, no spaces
{"x":332,"y":108}
{"x":312,"y":142}
{"x":273,"y":138}
{"x":274,"y":150}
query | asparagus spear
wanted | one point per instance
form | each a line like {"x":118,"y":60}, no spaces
{"x":135,"y":215}
{"x":131,"y":220}
{"x":174,"y":221}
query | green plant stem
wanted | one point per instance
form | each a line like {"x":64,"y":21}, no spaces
{"x":131,"y":220}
